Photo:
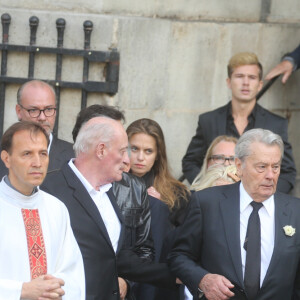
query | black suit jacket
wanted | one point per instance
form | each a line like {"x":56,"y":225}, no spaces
{"x":213,"y":124}
{"x":209,"y":242}
{"x":90,"y":232}
{"x":60,"y":151}
{"x":296,"y":56}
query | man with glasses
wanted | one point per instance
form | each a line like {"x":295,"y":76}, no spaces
{"x":239,"y":115}
{"x":36,"y":102}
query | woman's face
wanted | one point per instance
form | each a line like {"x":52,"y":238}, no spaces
{"x":222,"y":153}
{"x":143,"y":152}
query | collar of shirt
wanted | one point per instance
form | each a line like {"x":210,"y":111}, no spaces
{"x":245,"y":201}
{"x":7,"y":181}
{"x":251,"y":116}
{"x":50,"y":141}
{"x":103,"y":188}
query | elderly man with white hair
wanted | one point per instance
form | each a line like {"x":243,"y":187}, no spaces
{"x":84,"y":185}
{"x":242,"y":241}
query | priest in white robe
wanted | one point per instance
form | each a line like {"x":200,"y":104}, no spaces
{"x":39,"y":256}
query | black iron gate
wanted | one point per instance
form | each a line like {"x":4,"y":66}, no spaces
{"x":111,"y":59}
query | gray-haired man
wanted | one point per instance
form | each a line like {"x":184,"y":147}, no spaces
{"x":242,"y":240}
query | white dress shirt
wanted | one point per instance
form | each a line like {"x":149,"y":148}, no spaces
{"x":267,"y":225}
{"x":50,"y":141}
{"x":107,"y":212}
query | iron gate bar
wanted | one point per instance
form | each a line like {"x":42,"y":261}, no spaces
{"x":111,"y":59}
{"x":90,"y":55}
{"x":88,"y":28}
{"x":33,"y":23}
{"x":89,"y":86}
{"x":5,"y":20}
{"x":60,"y":26}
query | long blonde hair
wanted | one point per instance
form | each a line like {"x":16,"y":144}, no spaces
{"x":169,"y":188}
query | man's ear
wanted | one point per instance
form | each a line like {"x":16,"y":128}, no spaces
{"x":5,"y":158}
{"x":18,"y":112}
{"x":228,"y":81}
{"x":100,"y":150}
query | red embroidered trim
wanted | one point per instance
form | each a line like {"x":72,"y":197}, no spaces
{"x":35,"y":243}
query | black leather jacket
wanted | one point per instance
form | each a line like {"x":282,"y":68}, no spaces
{"x":132,"y":198}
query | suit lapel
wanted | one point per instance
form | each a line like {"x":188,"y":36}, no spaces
{"x":221,"y":120}
{"x":54,"y":157}
{"x":260,"y":118}
{"x":83,"y":197}
{"x":282,"y":218}
{"x":230,"y":211}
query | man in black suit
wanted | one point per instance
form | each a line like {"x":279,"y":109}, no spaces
{"x":84,"y":185}
{"x":36,"y":102}
{"x":243,"y":240}
{"x":134,"y":260}
{"x":290,"y":62}
{"x":239,"y":115}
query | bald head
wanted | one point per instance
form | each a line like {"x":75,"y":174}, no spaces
{"x":34,"y":96}
{"x":101,"y":150}
{"x":97,"y":130}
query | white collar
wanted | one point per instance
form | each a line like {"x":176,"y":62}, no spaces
{"x":245,"y":201}
{"x":50,"y":141}
{"x":103,"y":188}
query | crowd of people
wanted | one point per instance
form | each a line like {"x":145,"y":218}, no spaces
{"x":104,"y":218}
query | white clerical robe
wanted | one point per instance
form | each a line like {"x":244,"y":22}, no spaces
{"x":64,"y":259}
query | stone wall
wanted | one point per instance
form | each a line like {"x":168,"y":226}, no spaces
{"x":173,"y":57}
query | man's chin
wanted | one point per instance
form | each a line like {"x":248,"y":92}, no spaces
{"x":47,"y":128}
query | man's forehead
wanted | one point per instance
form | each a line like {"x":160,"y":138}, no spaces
{"x":262,"y":151}
{"x":246,"y":69}
{"x":35,"y":94}
{"x":21,"y":135}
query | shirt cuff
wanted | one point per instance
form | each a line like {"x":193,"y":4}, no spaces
{"x":292,"y":61}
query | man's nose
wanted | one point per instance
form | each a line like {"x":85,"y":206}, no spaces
{"x":270,"y":173}
{"x":42,"y":115}
{"x":126,"y":159}
{"x":246,"y":80}
{"x":36,"y":161}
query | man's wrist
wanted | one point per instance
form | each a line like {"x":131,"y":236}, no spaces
{"x":291,"y":60}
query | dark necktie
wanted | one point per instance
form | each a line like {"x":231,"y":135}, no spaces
{"x":253,"y":256}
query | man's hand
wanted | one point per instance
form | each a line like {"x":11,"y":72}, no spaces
{"x":285,"y":68}
{"x":122,"y":288}
{"x":43,"y":288}
{"x":216,"y":287}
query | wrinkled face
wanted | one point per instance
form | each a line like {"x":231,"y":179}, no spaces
{"x":259,"y":171}
{"x":143,"y":153}
{"x":116,"y":157}
{"x":222,"y":149}
{"x":28,"y":161}
{"x":245,"y":83}
{"x":37,"y":97}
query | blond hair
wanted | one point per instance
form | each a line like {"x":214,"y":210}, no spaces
{"x":209,"y":152}
{"x":242,"y":59}
{"x":215,"y":174}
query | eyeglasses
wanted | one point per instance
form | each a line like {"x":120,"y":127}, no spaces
{"x":221,"y":159}
{"x":35,"y":112}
